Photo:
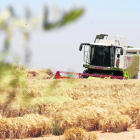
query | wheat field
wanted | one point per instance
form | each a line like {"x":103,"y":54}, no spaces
{"x":53,"y":106}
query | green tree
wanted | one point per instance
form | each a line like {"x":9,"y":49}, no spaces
{"x":9,"y":21}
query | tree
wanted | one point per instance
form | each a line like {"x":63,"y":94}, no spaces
{"x":9,"y":21}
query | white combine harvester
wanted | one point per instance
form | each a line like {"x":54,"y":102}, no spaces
{"x":105,"y":58}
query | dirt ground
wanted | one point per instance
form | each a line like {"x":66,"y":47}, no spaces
{"x":127,"y":135}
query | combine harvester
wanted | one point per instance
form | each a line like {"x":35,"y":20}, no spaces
{"x":107,"y":59}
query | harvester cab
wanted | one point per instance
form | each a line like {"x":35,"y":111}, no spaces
{"x":105,"y":58}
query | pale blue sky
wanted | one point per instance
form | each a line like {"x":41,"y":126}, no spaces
{"x":59,"y":49}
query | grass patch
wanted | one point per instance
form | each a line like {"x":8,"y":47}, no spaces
{"x":57,"y":129}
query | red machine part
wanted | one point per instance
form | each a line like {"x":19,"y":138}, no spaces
{"x":67,"y":75}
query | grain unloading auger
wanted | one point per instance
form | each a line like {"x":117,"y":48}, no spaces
{"x":107,"y":59}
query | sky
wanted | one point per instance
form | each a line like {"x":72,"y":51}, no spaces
{"x":58,"y":49}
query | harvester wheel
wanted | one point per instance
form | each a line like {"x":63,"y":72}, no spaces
{"x":85,"y":71}
{"x":135,"y":77}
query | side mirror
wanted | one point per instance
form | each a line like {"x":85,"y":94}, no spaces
{"x":121,"y":51}
{"x":80,"y":48}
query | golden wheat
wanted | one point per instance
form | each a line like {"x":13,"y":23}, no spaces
{"x":32,"y":125}
{"x":107,"y":105}
{"x":76,"y":133}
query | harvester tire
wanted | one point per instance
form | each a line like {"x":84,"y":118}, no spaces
{"x":85,"y":71}
{"x":135,"y":77}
